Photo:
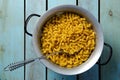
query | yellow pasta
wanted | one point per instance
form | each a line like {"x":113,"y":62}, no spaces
{"x":72,"y":34}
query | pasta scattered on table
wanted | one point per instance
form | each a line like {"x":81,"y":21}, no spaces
{"x":72,"y":34}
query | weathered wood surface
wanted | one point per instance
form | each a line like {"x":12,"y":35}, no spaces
{"x":34,"y":71}
{"x":11,"y":37}
{"x":110,"y":20}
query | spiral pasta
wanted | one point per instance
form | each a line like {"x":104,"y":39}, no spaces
{"x":71,"y":33}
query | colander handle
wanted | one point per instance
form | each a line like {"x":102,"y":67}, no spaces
{"x":26,"y":23}
{"x":110,"y":55}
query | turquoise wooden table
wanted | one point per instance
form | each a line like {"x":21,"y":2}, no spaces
{"x":16,"y":45}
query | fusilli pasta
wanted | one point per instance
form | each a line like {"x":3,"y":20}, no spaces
{"x":71,"y":33}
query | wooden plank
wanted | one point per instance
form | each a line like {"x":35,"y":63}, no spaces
{"x":55,"y":76}
{"x":53,"y":3}
{"x":91,"y":74}
{"x":11,"y":37}
{"x":34,"y":71}
{"x":110,"y":20}
{"x":52,"y":75}
{"x":92,"y":6}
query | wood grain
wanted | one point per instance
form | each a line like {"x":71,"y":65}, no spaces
{"x":34,"y":71}
{"x":55,"y":76}
{"x":53,"y":3}
{"x":110,"y":20}
{"x":11,"y":37}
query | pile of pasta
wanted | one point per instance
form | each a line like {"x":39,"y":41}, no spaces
{"x":71,"y":34}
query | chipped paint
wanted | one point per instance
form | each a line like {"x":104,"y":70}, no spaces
{"x":110,"y":13}
{"x":1,"y":14}
{"x":2,"y":49}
